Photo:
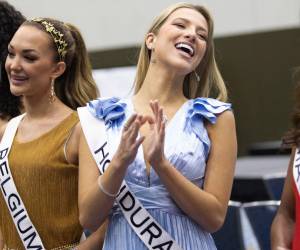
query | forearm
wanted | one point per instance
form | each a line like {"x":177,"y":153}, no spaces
{"x":94,"y":204}
{"x":282,"y":231}
{"x":198,"y":204}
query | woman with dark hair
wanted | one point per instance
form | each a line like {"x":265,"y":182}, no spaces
{"x":10,"y":20}
{"x":166,"y":155}
{"x":48,"y":65}
{"x":285,"y":230}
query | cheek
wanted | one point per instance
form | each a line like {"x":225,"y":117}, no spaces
{"x":7,"y":64}
{"x":202,"y":51}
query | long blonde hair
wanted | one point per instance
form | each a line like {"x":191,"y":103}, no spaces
{"x":211,"y":82}
{"x":76,"y":86}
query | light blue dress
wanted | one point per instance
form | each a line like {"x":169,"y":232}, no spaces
{"x":187,"y":146}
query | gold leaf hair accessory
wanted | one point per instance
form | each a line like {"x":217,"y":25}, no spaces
{"x":57,"y":36}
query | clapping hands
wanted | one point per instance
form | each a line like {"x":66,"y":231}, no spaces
{"x":154,"y":145}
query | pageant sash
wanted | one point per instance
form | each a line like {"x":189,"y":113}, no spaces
{"x":26,"y":230}
{"x":144,"y":225}
{"x":296,"y":169}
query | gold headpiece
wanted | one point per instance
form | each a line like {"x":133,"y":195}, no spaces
{"x":57,"y":36}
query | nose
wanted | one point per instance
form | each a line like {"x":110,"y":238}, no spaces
{"x":190,"y":34}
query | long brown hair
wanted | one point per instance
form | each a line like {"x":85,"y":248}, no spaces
{"x":10,"y":21}
{"x":292,"y":137}
{"x":211,"y":82}
{"x":76,"y":86}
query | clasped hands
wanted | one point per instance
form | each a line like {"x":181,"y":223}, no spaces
{"x":130,"y":141}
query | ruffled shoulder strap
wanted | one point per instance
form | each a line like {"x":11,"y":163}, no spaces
{"x":207,"y":108}
{"x":111,"y":110}
{"x":201,"y":109}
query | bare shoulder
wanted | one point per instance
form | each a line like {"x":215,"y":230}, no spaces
{"x":77,"y":131}
{"x":72,"y":147}
{"x":75,"y":135}
{"x":224,"y":121}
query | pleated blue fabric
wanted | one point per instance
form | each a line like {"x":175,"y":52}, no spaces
{"x":187,"y":147}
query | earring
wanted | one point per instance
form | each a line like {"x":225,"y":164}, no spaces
{"x":52,"y":92}
{"x":153,"y":60}
{"x":197,"y":76}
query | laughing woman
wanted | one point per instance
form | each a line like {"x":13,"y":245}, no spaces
{"x":173,"y":143}
{"x":47,"y":64}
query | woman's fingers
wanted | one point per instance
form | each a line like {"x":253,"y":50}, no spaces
{"x":162,"y":131}
{"x":128,"y":124}
{"x":139,"y":141}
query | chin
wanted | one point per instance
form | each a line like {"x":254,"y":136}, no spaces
{"x":16,"y":91}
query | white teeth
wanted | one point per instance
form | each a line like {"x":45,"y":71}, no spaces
{"x":186,"y":48}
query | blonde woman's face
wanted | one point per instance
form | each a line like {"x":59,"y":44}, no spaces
{"x":30,"y":62}
{"x":181,"y":41}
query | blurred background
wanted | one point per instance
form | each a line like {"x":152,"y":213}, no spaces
{"x":257,"y":46}
{"x":258,"y":51}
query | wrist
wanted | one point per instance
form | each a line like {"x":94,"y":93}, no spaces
{"x":162,"y":164}
{"x":105,"y":190}
{"x":116,"y":163}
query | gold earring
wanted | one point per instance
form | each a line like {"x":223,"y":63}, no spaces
{"x":52,"y":93}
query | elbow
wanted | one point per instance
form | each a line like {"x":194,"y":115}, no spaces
{"x":215,"y":224}
{"x":213,"y":221}
{"x":86,"y":221}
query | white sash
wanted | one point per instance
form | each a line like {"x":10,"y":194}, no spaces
{"x":144,"y":225}
{"x":26,"y":230}
{"x":296,"y":170}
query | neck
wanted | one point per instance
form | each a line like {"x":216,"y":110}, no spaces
{"x":40,"y":107}
{"x":163,"y":85}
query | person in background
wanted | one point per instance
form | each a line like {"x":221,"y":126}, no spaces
{"x":285,"y":230}
{"x":173,"y":142}
{"x":10,"y":20}
{"x":48,"y":65}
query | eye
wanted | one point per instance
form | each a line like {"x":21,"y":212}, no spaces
{"x":202,"y":36}
{"x":30,"y":58}
{"x":179,"y":25}
{"x":10,"y":54}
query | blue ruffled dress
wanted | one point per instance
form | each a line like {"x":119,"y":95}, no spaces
{"x":187,"y":146}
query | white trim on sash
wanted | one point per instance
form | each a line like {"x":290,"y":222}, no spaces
{"x":26,"y":230}
{"x":296,"y":169}
{"x":144,"y":225}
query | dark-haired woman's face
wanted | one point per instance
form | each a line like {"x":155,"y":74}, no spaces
{"x":182,"y":40}
{"x":30,"y":62}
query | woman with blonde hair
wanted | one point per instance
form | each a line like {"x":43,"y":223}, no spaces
{"x":47,"y":64}
{"x":168,"y":157}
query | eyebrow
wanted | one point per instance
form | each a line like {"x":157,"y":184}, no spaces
{"x":25,"y":50}
{"x":188,"y":21}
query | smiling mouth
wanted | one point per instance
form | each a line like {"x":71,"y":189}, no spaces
{"x":185,"y":48}
{"x":17,"y":79}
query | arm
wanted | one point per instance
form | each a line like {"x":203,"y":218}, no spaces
{"x":282,"y":229}
{"x":95,"y":240}
{"x":94,"y":205}
{"x":208,"y":206}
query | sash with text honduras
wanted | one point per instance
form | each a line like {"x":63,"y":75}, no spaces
{"x":26,"y":230}
{"x":144,"y":225}
{"x":296,"y":169}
